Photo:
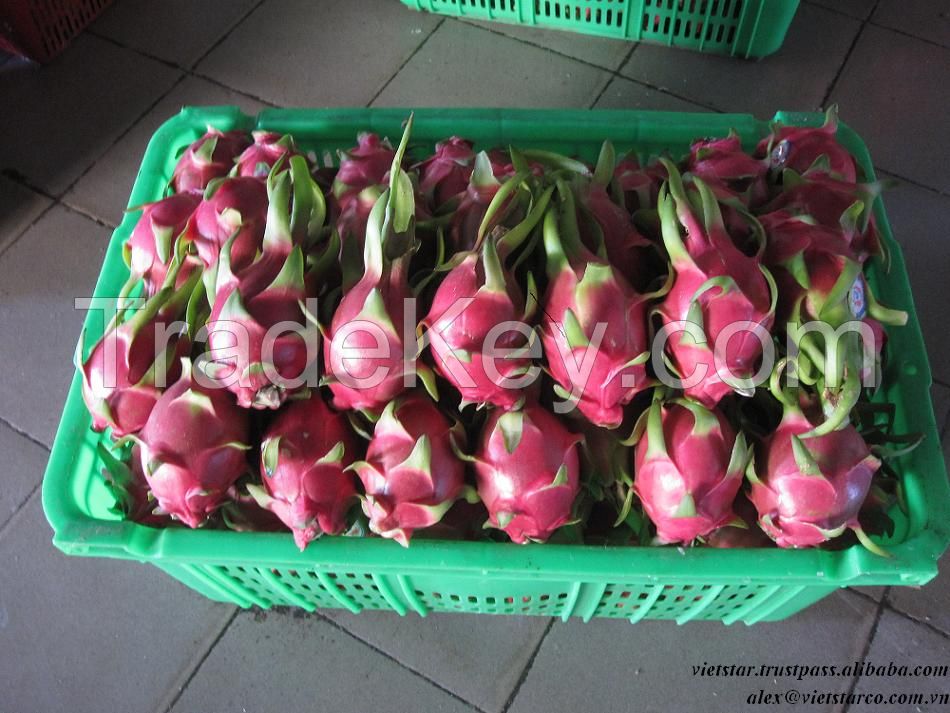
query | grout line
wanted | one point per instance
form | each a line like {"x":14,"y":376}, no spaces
{"x":615,"y":73}
{"x":86,"y":214}
{"x":407,"y":60}
{"x":226,"y":34}
{"x":201,"y":661}
{"x":241,"y":92}
{"x":16,"y":238}
{"x":864,"y":595}
{"x":21,"y":508}
{"x":116,"y":43}
{"x":527,"y":669}
{"x":20,"y":432}
{"x":908,"y":34}
{"x":844,"y":62}
{"x":388,"y":656}
{"x":838,"y":11}
{"x":913,"y":182}
{"x":940,"y":632}
{"x":867,"y":646}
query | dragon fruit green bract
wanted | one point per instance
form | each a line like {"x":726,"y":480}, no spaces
{"x":212,"y":156}
{"x":688,"y":469}
{"x":192,"y":447}
{"x":411,"y":475}
{"x":150,"y":249}
{"x":527,"y":468}
{"x":305,"y":453}
{"x":446,"y":173}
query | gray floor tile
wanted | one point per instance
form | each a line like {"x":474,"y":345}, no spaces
{"x":889,"y":97}
{"x":930,"y":603}
{"x":905,"y":644}
{"x":856,"y":8}
{"x":602,"y":51}
{"x":179,"y":31}
{"x":520,"y":75}
{"x":337,"y":53}
{"x":54,"y":262}
{"x":69,"y":112}
{"x":19,"y":207}
{"x":23,"y":470}
{"x":926,"y":19}
{"x":479,"y":658}
{"x":919,"y":219}
{"x":92,"y":634}
{"x":104,"y":190}
{"x":652,"y":662}
{"x":625,"y":94}
{"x":796,"y":77}
{"x":286,"y":663}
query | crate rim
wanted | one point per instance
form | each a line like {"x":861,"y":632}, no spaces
{"x":77,"y":533}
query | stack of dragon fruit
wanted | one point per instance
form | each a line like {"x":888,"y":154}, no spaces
{"x":466,"y":345}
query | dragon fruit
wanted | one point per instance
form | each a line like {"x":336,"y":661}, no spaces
{"x":304,"y":456}
{"x":811,"y":480}
{"x":458,"y":339}
{"x":126,"y":482}
{"x":639,"y":185}
{"x":362,"y":167}
{"x":594,"y":329}
{"x":268,"y":149}
{"x":232,"y":208}
{"x":728,"y":170}
{"x":411,"y":475}
{"x":688,"y":469}
{"x":469,"y":219}
{"x":212,"y":156}
{"x":798,"y":148}
{"x":608,"y":229}
{"x":716,"y":287}
{"x":125,"y":372}
{"x":446,"y":173}
{"x":528,"y":473}
{"x":148,"y":252}
{"x":365,"y":353}
{"x":193,"y":447}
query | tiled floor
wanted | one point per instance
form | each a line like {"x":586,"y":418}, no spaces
{"x":94,"y":635}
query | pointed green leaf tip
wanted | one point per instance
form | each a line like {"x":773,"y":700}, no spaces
{"x":804,"y":459}
{"x":704,"y":420}
{"x":334,"y":455}
{"x":402,"y":205}
{"x":420,"y":459}
{"x":656,"y":442}
{"x":574,"y":331}
{"x":374,"y":310}
{"x":270,"y":455}
{"x":494,"y":272}
{"x":511,"y":425}
{"x":686,"y":508}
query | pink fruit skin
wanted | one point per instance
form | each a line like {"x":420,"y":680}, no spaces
{"x":446,"y":173}
{"x":518,"y":487}
{"x":403,"y":494}
{"x":311,"y":497}
{"x":194,"y":171}
{"x":467,"y":333}
{"x":364,"y":166}
{"x":252,"y":302}
{"x":799,"y":510}
{"x":797,"y":148}
{"x":693,"y":465}
{"x":268,"y":148}
{"x":709,"y":252}
{"x":640,"y":185}
{"x":193,"y":449}
{"x":239,"y":204}
{"x":163,"y":221}
{"x":728,"y":170}
{"x":624,"y":244}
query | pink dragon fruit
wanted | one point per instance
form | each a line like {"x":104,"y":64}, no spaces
{"x":125,"y":372}
{"x":268,"y":149}
{"x":128,"y":486}
{"x":811,"y":481}
{"x":446,"y":173}
{"x":304,"y":456}
{"x":716,"y":287}
{"x":458,"y":341}
{"x":744,"y":532}
{"x":365,"y":353}
{"x":469,"y":219}
{"x":234,"y":207}
{"x":212,"y":156}
{"x":798,"y":148}
{"x":728,"y":170}
{"x":608,"y":229}
{"x":592,"y":319}
{"x":362,"y":167}
{"x":528,"y":473}
{"x":688,"y":469}
{"x":640,"y":185}
{"x":193,"y":447}
{"x":411,"y":474}
{"x":149,"y":250}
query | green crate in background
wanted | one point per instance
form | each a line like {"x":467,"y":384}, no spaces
{"x":633,"y":583}
{"x":738,"y":28}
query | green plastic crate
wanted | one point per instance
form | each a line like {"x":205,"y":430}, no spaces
{"x":551,"y":580}
{"x":738,"y":28}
